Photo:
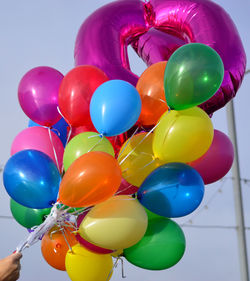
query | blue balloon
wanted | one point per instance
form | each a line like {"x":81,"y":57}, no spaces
{"x":32,"y":179}
{"x":60,"y":129}
{"x":172,"y":190}
{"x":115,"y":107}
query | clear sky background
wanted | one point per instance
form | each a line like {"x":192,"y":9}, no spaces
{"x":42,"y":33}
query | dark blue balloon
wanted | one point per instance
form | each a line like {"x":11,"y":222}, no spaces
{"x":60,"y":129}
{"x":32,"y":179}
{"x":115,"y":107}
{"x":172,"y":190}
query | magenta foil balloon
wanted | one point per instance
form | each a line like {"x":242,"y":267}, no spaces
{"x":38,"y":95}
{"x":155,"y":30}
{"x":217,"y":161}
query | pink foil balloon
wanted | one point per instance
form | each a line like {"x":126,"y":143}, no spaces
{"x":86,"y":244}
{"x":38,"y":95}
{"x":217,"y":161}
{"x":38,"y":138}
{"x":155,"y":30}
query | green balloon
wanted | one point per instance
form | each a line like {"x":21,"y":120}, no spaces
{"x":162,"y":246}
{"x":193,"y":74}
{"x":28,"y":217}
{"x":83,"y":143}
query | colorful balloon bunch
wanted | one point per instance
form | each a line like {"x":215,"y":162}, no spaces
{"x":122,"y":161}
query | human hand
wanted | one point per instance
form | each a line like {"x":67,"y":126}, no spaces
{"x":10,"y":267}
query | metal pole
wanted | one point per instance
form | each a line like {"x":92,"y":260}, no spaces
{"x":238,"y":196}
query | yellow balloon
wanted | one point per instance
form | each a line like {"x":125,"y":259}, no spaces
{"x":117,"y":223}
{"x":183,"y":135}
{"x":136,"y":159}
{"x":82,"y":264}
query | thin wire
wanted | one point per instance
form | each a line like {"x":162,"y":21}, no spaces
{"x":136,"y":130}
{"x":54,"y":150}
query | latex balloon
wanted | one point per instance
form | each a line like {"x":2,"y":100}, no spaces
{"x":28,"y":217}
{"x":217,"y":161}
{"x":54,"y":246}
{"x":115,"y":107}
{"x":31,"y":178}
{"x":38,"y":95}
{"x":136,"y":158}
{"x":151,"y":89}
{"x":172,"y":190}
{"x":60,"y":129}
{"x":162,"y":246}
{"x":117,"y":223}
{"x":155,"y":29}
{"x":76,"y":91}
{"x":38,"y":138}
{"x":126,"y":188}
{"x":89,"y":246}
{"x":193,"y":74}
{"x":82,"y":264}
{"x":83,"y":143}
{"x":183,"y":136}
{"x":91,"y":179}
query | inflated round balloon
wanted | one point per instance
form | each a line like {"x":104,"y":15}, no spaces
{"x":155,"y":29}
{"x":32,"y":179}
{"x":28,"y":217}
{"x":89,"y":246}
{"x":172,"y":190}
{"x":151,"y":89}
{"x":117,"y":223}
{"x":92,"y":178}
{"x":217,"y":161}
{"x":126,"y":188}
{"x":82,"y":264}
{"x":83,"y":143}
{"x":75,"y":93}
{"x":136,"y":158}
{"x":162,"y":246}
{"x":54,"y":246}
{"x":183,"y":135}
{"x":115,"y":107}
{"x":193,"y":75}
{"x":38,"y":138}
{"x":38,"y":95}
{"x":60,"y":129}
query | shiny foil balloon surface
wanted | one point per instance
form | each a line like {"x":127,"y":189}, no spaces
{"x":155,"y":29}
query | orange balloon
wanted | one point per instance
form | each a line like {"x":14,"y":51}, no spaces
{"x":54,"y":246}
{"x":151,"y":89}
{"x":90,"y":179}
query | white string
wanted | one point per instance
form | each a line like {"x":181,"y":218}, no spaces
{"x":136,"y":130}
{"x":54,"y":150}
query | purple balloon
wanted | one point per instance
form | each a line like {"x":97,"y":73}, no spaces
{"x":155,"y":30}
{"x":38,"y":95}
{"x":217,"y":161}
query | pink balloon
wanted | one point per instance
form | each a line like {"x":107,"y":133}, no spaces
{"x":155,"y":29}
{"x":217,"y":161}
{"x":38,"y":95}
{"x":38,"y":138}
{"x":86,"y":244}
{"x":126,"y":188}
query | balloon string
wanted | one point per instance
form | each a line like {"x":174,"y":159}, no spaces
{"x":123,"y":189}
{"x":70,"y":127}
{"x":122,"y":265}
{"x":70,"y":248}
{"x":101,"y":136}
{"x":139,"y":143}
{"x":112,"y":269}
{"x":53,"y":147}
{"x":81,"y":211}
{"x":136,"y":130}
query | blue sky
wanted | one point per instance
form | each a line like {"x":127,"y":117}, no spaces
{"x":35,"y":33}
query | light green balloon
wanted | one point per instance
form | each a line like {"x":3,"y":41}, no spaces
{"x":83,"y":143}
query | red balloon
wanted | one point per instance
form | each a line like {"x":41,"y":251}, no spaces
{"x":76,"y":91}
{"x":217,"y":161}
{"x":91,"y":247}
{"x":126,"y":188}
